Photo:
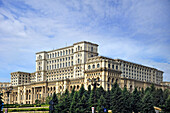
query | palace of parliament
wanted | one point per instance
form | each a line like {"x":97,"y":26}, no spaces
{"x":72,"y":66}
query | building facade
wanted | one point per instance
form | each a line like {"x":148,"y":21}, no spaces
{"x":72,"y":66}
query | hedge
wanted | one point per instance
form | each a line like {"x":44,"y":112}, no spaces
{"x":28,"y":109}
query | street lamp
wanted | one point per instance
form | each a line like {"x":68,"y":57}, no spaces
{"x":94,"y":83}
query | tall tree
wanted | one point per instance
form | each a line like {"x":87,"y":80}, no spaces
{"x":81,"y":92}
{"x":55,"y":102}
{"x":72,"y":93}
{"x":147,"y":106}
{"x":116,"y":98}
{"x":82,"y":104}
{"x":101,"y":104}
{"x":136,"y":101}
{"x":108,"y":99}
{"x":100,"y":91}
{"x":127,"y":101}
{"x":167,"y":105}
{"x":73,"y":105}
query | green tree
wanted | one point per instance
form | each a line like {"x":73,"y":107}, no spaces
{"x":136,"y":101}
{"x":101,"y":104}
{"x":108,"y":99}
{"x":167,"y":105}
{"x":116,"y":98}
{"x":127,"y":101}
{"x":100,"y":91}
{"x":81,"y":92}
{"x":147,"y":106}
{"x":72,"y":93}
{"x":82,"y":105}
{"x":92,"y":100}
{"x":65,"y":102}
{"x":73,"y":105}
{"x":48,"y":99}
{"x":37,"y":101}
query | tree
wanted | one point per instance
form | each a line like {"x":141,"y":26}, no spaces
{"x":147,"y":106}
{"x":65,"y":102}
{"x":82,"y":105}
{"x":100,"y":91}
{"x":81,"y":92}
{"x":101,"y":104}
{"x":48,"y":99}
{"x":72,"y":93}
{"x":108,"y":99}
{"x":92,"y":100}
{"x":136,"y":101}
{"x":37,"y":101}
{"x":127,"y":101}
{"x":167,"y":105}
{"x":1,"y":101}
{"x":116,"y":98}
{"x":73,"y":105}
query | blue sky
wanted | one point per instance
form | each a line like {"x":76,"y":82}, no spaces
{"x":133,"y":30}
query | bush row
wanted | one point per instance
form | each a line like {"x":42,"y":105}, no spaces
{"x":28,"y":109}
{"x":24,"y":105}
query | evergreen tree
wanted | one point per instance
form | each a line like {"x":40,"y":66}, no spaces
{"x":1,"y":101}
{"x":100,"y":91}
{"x":48,"y":99}
{"x":72,"y":93}
{"x":89,"y":91}
{"x":167,"y":105}
{"x":73,"y":105}
{"x":108,"y":99}
{"x":147,"y":106}
{"x":55,"y":100}
{"x":116,"y":98}
{"x":158,"y":97}
{"x":101,"y":104}
{"x":127,"y":101}
{"x":136,"y":101}
{"x":81,"y":91}
{"x":92,"y":99}
{"x":82,"y":105}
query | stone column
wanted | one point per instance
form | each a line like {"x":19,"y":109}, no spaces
{"x":34,"y":96}
{"x":19,"y":95}
{"x":24,"y":94}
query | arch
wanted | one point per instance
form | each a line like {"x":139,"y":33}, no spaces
{"x":54,"y":88}
{"x":51,"y":88}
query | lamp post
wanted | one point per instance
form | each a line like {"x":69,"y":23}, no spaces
{"x":94,"y":83}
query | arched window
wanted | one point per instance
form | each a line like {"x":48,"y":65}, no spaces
{"x":108,"y":65}
{"x":108,"y":79}
{"x":89,"y":67}
{"x":78,"y":61}
{"x":91,"y":48}
{"x":60,"y":53}
{"x":112,"y":66}
{"x":93,"y":66}
{"x":77,"y":86}
{"x":112,"y":80}
{"x":116,"y":67}
{"x":66,"y":52}
{"x":98,"y":65}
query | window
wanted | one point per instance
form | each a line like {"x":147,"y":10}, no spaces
{"x":89,"y":67}
{"x":93,"y":66}
{"x":112,"y":66}
{"x":92,"y":49}
{"x":108,"y":65}
{"x":98,"y":65}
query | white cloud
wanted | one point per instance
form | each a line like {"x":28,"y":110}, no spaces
{"x":132,"y":30}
